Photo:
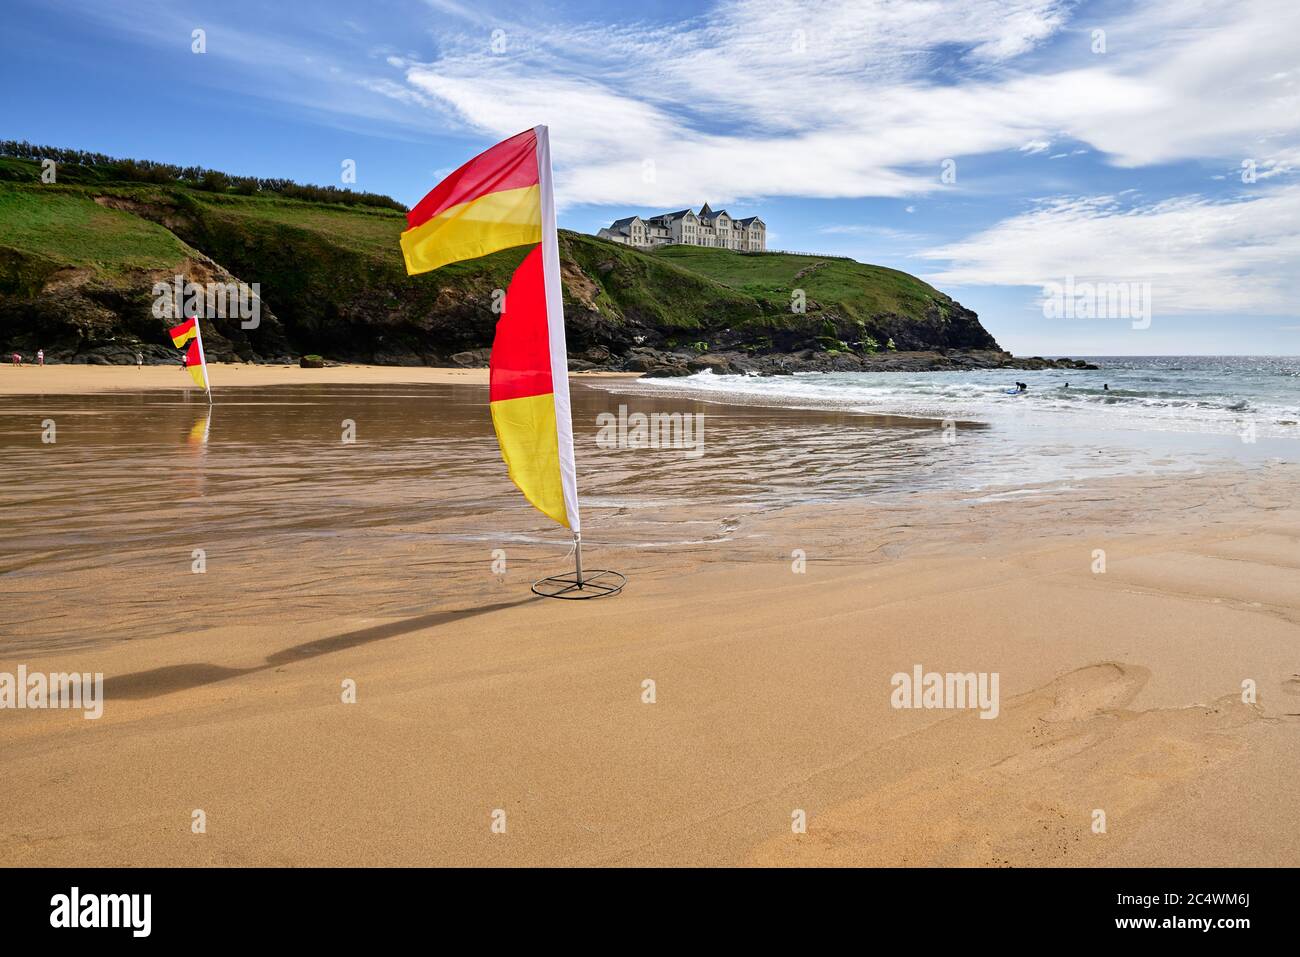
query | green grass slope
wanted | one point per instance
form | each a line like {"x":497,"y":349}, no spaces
{"x":858,"y":290}
{"x":67,"y":227}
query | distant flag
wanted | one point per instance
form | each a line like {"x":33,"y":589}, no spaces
{"x":188,"y":331}
{"x":503,"y":198}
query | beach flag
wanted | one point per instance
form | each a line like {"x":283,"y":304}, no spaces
{"x":195,"y":364}
{"x":183,"y":333}
{"x":493,"y":202}
{"x":500,"y":199}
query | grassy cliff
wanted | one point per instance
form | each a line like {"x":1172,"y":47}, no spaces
{"x":78,"y":260}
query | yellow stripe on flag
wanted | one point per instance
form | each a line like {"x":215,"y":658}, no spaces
{"x":196,"y":373}
{"x":526,"y":432}
{"x":496,"y":221}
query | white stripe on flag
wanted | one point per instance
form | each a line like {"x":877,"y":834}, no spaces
{"x":555,"y":330}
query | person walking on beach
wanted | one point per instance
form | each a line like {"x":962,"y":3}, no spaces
{"x":139,"y":360}
{"x":40,"y":357}
{"x":17,"y":360}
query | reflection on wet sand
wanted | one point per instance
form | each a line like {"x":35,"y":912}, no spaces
{"x":293,"y":523}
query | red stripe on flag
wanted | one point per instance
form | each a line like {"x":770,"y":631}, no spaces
{"x":192,"y":357}
{"x":510,"y":164}
{"x":521,"y":352}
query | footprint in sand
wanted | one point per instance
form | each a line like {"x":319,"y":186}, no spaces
{"x":1020,"y":789}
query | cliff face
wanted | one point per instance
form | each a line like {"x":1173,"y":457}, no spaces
{"x":78,"y":264}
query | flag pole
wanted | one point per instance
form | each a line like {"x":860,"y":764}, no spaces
{"x":599,"y":582}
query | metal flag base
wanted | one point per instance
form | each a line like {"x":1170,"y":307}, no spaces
{"x":598,"y":583}
{"x":579,"y":586}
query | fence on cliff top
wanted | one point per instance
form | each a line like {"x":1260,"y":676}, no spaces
{"x":792,"y":252}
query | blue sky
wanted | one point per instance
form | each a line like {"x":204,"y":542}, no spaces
{"x":1110,"y":157}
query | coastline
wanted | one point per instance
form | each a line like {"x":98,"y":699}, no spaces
{"x":1120,"y":690}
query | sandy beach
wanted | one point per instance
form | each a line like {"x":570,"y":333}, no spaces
{"x":83,"y":379}
{"x":770,"y":633}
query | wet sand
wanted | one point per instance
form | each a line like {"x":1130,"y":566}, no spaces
{"x":1121,"y":691}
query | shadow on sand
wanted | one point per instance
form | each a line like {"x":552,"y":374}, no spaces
{"x":161,"y":681}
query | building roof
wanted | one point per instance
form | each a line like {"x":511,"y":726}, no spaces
{"x":671,"y":217}
{"x":663,"y":220}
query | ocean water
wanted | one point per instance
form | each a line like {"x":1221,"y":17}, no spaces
{"x":1133,"y":415}
{"x":1214,"y":395}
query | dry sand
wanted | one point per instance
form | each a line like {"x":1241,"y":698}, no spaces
{"x":82,"y":379}
{"x":1120,"y":692}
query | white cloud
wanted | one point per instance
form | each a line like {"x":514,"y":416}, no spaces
{"x":1219,"y":82}
{"x":814,"y":98}
{"x":828,"y":98}
{"x":835,"y":98}
{"x":1198,"y":255}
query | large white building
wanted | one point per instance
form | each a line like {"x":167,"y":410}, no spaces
{"x":705,"y":228}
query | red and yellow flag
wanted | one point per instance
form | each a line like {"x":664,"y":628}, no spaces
{"x":503,"y":198}
{"x":493,"y":202}
{"x":183,"y":333}
{"x":188,"y":331}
